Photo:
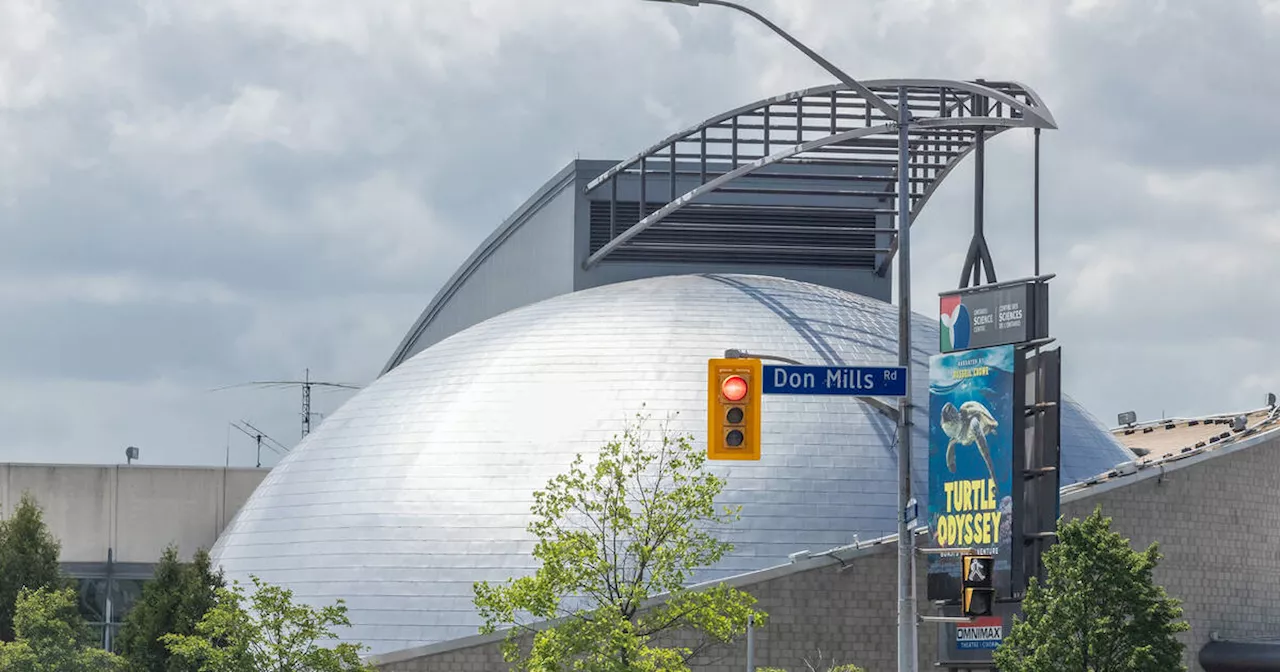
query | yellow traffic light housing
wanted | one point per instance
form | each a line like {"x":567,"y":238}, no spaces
{"x":977,"y":602}
{"x":733,"y":408}
{"x":978,"y":580}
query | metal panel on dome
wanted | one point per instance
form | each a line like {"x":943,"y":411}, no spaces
{"x":421,"y":483}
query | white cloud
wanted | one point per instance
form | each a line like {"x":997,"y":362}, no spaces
{"x":254,"y":115}
{"x":26,"y":64}
{"x":233,"y":189}
{"x":109,"y":290}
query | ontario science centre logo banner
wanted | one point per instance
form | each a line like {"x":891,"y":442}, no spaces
{"x":971,"y":433}
{"x":953,"y":324}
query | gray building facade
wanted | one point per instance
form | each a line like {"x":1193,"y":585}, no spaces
{"x":114,"y":522}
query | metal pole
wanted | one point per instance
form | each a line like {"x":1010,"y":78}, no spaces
{"x":1036,"y":207}
{"x":107,"y":616}
{"x":751,"y":642}
{"x":979,"y":189}
{"x":906,"y":603}
{"x":906,"y":598}
{"x":915,"y":625}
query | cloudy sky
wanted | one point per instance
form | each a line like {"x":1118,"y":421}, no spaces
{"x":199,"y":194}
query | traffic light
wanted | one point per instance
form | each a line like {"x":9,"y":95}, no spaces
{"x":733,"y":409}
{"x":979,"y":587}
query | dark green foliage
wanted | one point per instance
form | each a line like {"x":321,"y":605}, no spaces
{"x":1098,"y":611}
{"x":173,"y":602}
{"x":28,"y":559}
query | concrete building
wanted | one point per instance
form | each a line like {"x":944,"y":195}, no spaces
{"x":114,"y":521}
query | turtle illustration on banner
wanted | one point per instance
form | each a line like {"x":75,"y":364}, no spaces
{"x":968,"y":425}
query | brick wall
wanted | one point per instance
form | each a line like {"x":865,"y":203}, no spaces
{"x":1214,"y":520}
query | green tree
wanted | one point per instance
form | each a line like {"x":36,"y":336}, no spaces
{"x":52,"y":637}
{"x":173,"y":602}
{"x":810,"y":668}
{"x":28,"y":559}
{"x":1098,"y":610}
{"x":611,"y":538}
{"x":271,"y":633}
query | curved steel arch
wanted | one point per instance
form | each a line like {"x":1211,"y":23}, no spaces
{"x":966,"y":113}
{"x":1035,"y":107}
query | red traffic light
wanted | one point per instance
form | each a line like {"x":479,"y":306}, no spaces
{"x":734,"y":388}
{"x":733,"y":408}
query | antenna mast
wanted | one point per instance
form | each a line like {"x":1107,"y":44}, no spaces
{"x":306,"y":402}
{"x":306,"y":384}
{"x":258,"y":435}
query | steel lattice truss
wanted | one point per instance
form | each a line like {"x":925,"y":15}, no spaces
{"x":754,"y":149}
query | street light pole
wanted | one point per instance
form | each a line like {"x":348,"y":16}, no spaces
{"x":867,"y":94}
{"x":906,"y":543}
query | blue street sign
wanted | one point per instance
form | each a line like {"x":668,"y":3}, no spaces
{"x":854,"y":381}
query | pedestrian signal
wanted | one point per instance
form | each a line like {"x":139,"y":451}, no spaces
{"x":977,"y":572}
{"x":733,"y":408}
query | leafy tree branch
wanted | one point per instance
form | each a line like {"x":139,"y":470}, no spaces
{"x":613,"y":537}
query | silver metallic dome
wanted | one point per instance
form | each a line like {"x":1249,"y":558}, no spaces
{"x":421,"y":483}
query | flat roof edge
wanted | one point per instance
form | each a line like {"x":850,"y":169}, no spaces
{"x":169,"y":467}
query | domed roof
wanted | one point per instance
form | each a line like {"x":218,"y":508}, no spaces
{"x":421,"y":483}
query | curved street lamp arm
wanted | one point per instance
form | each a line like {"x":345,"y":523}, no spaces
{"x":883,"y":105}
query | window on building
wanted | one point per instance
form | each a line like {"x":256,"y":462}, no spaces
{"x":107,"y":595}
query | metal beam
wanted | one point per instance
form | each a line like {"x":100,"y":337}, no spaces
{"x":1036,"y":115}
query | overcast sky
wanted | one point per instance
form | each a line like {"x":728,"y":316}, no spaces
{"x":199,"y":194}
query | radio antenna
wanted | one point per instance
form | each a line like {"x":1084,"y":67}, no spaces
{"x":306,"y":384}
{"x":258,"y":435}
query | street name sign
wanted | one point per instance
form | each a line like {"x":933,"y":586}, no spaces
{"x":853,"y":381}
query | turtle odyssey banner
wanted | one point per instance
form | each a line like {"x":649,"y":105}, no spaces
{"x":971,"y":452}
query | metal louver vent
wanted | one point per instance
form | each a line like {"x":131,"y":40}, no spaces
{"x":787,"y":236}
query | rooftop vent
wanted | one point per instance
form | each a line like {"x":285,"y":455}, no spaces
{"x":1126,"y":468}
{"x":1239,"y":423}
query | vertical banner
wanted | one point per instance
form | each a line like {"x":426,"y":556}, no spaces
{"x":972,"y":430}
